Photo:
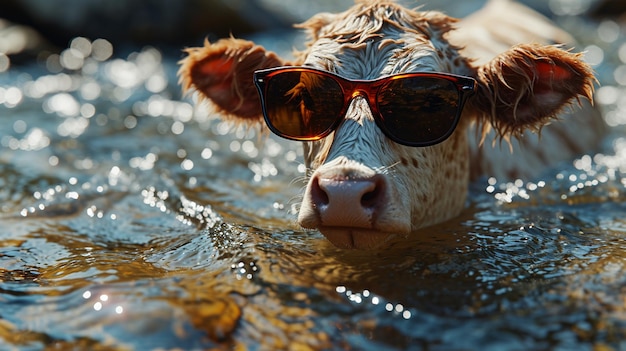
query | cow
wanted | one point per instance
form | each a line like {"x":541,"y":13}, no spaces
{"x":387,"y":100}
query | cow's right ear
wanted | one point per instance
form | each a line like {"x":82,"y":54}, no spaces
{"x":222,"y":73}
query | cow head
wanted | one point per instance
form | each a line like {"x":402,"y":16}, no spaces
{"x":365,"y":188}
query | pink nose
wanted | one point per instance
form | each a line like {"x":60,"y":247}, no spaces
{"x":344,"y":202}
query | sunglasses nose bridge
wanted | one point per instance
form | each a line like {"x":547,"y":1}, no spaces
{"x":358,"y":92}
{"x":364,"y":92}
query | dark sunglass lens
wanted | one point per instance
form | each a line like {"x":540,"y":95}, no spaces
{"x":419,"y":110}
{"x":302,"y":105}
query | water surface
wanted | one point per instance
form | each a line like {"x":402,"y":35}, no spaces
{"x":131,"y":219}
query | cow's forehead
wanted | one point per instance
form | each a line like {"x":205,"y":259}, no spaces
{"x":369,"y":41}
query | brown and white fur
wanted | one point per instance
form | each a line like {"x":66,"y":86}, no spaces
{"x":365,"y":188}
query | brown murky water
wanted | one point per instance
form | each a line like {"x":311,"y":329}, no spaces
{"x":131,"y":221}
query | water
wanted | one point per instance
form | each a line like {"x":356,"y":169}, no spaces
{"x":131,"y":219}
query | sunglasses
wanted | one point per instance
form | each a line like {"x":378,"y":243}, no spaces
{"x":412,"y":109}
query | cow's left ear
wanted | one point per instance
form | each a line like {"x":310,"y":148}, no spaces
{"x":527,"y":86}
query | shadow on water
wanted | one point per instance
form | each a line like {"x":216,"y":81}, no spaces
{"x":130,"y":220}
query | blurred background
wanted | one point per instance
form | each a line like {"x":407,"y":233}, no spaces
{"x":35,"y":28}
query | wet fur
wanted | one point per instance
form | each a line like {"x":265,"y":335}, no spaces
{"x":519,"y":90}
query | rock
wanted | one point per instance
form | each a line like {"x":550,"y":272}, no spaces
{"x":609,"y":8}
{"x":136,"y":22}
{"x":19,"y":43}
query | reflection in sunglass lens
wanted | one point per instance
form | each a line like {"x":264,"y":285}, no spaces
{"x":419,"y":109}
{"x":303,"y":105}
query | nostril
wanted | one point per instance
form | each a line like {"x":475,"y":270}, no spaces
{"x":318,"y":195}
{"x":371,"y":199}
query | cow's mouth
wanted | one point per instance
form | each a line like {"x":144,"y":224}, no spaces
{"x":356,"y":238}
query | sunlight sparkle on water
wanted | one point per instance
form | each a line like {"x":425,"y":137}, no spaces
{"x":63,"y":104}
{"x":187,"y":165}
{"x":366,"y":295}
{"x":101,"y":49}
{"x":600,"y":171}
{"x":50,"y":84}
{"x":243,"y":270}
{"x":593,"y":55}
{"x":143,"y":163}
{"x":53,"y":160}
{"x":130,"y":122}
{"x":608,"y":31}
{"x":123,"y":73}
{"x":5,"y":62}
{"x":266,"y":168}
{"x":154,"y":198}
{"x":206,"y":153}
{"x":72,"y":59}
{"x":115,"y":174}
{"x":82,"y":45}
{"x":19,"y":126}
{"x":73,"y":127}
{"x":193,"y":210}
{"x":569,"y":7}
{"x":11,"y":97}
{"x":35,"y":139}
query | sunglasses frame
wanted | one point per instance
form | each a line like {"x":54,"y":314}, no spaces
{"x":368,"y":89}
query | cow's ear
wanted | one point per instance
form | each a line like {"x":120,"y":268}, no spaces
{"x":222,"y":73}
{"x":527,"y":86}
